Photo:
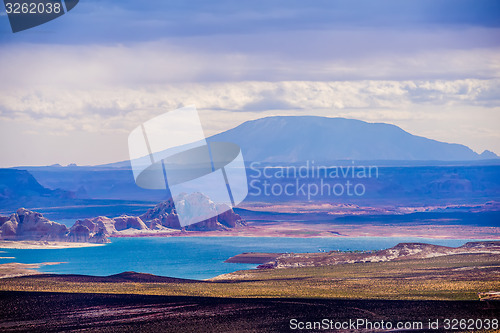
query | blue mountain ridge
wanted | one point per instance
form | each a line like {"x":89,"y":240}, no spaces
{"x":300,"y":138}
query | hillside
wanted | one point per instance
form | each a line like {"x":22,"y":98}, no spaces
{"x":19,"y":186}
{"x":402,"y":251}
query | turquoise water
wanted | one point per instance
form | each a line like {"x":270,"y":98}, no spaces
{"x":190,"y":257}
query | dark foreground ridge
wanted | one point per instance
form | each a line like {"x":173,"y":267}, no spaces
{"x":133,"y":277}
{"x":31,"y":311}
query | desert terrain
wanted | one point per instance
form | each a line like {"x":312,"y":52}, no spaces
{"x":409,"y":290}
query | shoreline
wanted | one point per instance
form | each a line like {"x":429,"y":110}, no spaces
{"x":289,"y":230}
{"x":325,"y":230}
{"x":313,"y":259}
{"x":31,"y":244}
{"x":16,"y":269}
{"x":492,"y":238}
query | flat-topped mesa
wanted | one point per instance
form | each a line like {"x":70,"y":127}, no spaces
{"x":404,"y":250}
{"x":482,"y":245}
{"x":28,"y":225}
{"x":417,"y":246}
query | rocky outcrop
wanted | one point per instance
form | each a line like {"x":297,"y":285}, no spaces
{"x":25,"y":224}
{"x":129,"y":222}
{"x":33,"y":225}
{"x":101,"y":226}
{"x":99,"y":237}
{"x":28,"y":225}
{"x":487,"y":245}
{"x":9,"y":228}
{"x":79,"y":233}
{"x":97,"y":223}
{"x":165,"y":214}
{"x":230,"y":219}
{"x":161,"y":217}
{"x":402,"y":251}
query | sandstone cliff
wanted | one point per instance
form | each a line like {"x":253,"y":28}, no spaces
{"x":165,"y":215}
{"x":28,"y":225}
{"x":161,"y":217}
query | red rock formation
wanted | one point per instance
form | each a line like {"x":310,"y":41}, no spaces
{"x":28,"y":225}
{"x":97,"y":223}
{"x":79,"y":233}
{"x":32,"y":225}
{"x":166,"y":213}
{"x":126,"y":222}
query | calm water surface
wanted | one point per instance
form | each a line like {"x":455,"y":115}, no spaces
{"x":190,"y":257}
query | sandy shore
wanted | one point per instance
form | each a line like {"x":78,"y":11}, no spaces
{"x":5,"y":244}
{"x":15,"y":269}
{"x":292,"y":229}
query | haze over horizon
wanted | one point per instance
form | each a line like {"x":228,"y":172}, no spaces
{"x":73,"y":89}
{"x":297,"y":139}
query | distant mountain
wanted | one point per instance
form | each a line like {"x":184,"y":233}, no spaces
{"x":20,"y":186}
{"x":416,"y":169}
{"x":99,"y":182}
{"x":488,"y":155}
{"x":302,"y":138}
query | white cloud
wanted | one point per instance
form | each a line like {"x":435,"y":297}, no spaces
{"x":252,"y":96}
{"x":452,"y":111}
{"x":290,"y":56}
{"x":431,"y":84}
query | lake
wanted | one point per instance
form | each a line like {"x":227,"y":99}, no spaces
{"x":190,"y":257}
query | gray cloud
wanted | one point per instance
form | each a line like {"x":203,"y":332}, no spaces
{"x":142,"y":64}
{"x":126,"y":105}
{"x":112,"y":21}
{"x":118,"y":68}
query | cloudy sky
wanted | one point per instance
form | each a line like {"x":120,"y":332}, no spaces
{"x":72,"y":90}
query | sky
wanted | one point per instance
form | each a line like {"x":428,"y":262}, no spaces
{"x":71,"y":90}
